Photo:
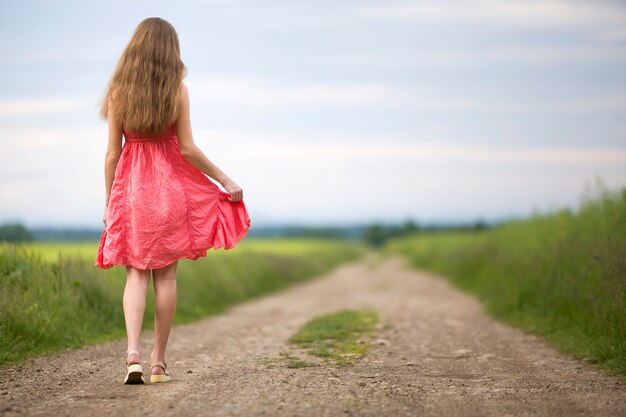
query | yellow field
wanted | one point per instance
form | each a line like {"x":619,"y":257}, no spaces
{"x":50,"y":251}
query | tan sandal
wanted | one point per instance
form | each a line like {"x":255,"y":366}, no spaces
{"x":134,"y":371}
{"x":159,"y":377}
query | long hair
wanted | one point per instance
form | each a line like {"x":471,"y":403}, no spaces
{"x":145,"y":87}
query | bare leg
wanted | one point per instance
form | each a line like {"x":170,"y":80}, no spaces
{"x":134,"y":301}
{"x":164,"y":309}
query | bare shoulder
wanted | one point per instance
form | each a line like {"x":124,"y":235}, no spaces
{"x":184,"y":91}
{"x":183,"y":97}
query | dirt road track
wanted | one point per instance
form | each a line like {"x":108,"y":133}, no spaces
{"x":436,"y":354}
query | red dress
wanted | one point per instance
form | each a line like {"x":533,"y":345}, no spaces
{"x":162,"y":208}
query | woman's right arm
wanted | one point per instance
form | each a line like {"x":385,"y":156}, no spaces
{"x":194,"y":155}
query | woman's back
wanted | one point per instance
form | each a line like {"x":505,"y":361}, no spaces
{"x":168,"y":133}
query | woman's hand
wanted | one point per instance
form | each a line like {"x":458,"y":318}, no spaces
{"x":235,"y":191}
{"x":104,"y":216}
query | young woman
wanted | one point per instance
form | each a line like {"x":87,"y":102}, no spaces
{"x":160,"y":206}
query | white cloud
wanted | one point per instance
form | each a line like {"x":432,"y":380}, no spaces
{"x":601,"y":24}
{"x":613,"y":35}
{"x":285,"y":146}
{"x":427,"y":98}
{"x":608,"y":102}
{"x":611,"y":102}
{"x":256,"y":92}
{"x":26,"y":107}
{"x":56,"y":176}
{"x":515,"y":12}
{"x":490,"y":57}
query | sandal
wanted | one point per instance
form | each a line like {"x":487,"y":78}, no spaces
{"x":134,"y":371}
{"x":159,"y":377}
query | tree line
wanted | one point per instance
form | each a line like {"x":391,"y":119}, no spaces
{"x":374,"y":234}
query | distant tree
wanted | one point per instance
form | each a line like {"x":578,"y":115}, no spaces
{"x":313,"y":232}
{"x":409,"y":227}
{"x":14,"y":232}
{"x":375,"y":235}
{"x":480,"y":225}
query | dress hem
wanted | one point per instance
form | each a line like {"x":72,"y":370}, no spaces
{"x":195,"y":254}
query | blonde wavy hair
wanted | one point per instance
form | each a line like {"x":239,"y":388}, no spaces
{"x":145,"y":86}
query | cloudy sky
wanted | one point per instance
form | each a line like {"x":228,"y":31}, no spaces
{"x":329,"y":112}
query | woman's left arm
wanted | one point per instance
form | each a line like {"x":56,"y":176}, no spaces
{"x":114,"y":150}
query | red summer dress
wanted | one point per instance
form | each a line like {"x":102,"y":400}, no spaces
{"x":162,"y":208}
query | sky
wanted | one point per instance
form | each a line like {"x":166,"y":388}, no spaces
{"x":331,"y":113}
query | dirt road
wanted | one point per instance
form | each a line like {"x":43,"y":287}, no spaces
{"x":436,"y":354}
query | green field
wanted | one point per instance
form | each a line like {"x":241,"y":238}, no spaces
{"x":560,"y":275}
{"x":53,"y":297}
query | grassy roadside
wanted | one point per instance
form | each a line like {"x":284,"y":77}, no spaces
{"x":47,"y":305}
{"x":560,"y":275}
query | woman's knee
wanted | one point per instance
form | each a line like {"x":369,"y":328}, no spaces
{"x":166,"y":273}
{"x":137,"y":274}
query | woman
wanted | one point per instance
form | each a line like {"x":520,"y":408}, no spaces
{"x":160,"y":206}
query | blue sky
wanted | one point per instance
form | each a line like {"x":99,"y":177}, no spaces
{"x":331,"y":112}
